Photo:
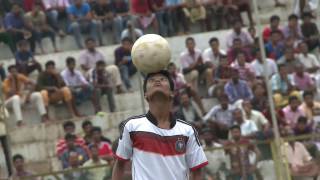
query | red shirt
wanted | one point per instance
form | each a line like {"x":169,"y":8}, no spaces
{"x":140,"y":6}
{"x":105,"y":149}
{"x":62,"y":145}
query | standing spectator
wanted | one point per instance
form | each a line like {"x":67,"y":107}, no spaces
{"x":122,"y":15}
{"x":188,"y":110}
{"x":292,"y":111}
{"x":191,"y":63}
{"x":303,"y":80}
{"x":19,"y":166}
{"x":236,"y":48}
{"x":237,"y":89}
{"x":91,"y":56}
{"x":248,"y":127}
{"x":238,"y":33}
{"x":25,"y":61}
{"x":17,"y":93}
{"x":258,"y":66}
{"x":131,"y":32}
{"x":15,"y":26}
{"x":96,"y":160}
{"x":103,"y":13}
{"x":53,"y":89}
{"x":79,"y":86}
{"x":290,"y":60}
{"x":275,"y":47}
{"x":146,"y":17}
{"x":72,"y":147}
{"x":220,"y":116}
{"x":36,"y":21}
{"x":310,"y":31}
{"x":5,"y":37}
{"x":104,"y":148}
{"x":239,"y":150}
{"x":293,"y":30}
{"x":310,"y":107}
{"x":80,"y":17}
{"x":255,"y":116}
{"x":124,"y":62}
{"x":102,"y":83}
{"x":55,"y":9}
{"x":245,"y":70}
{"x":309,"y":61}
{"x":68,"y":128}
{"x":177,"y":17}
{"x":274,"y":26}
{"x":159,"y":8}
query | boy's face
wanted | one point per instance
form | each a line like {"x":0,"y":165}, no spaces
{"x":24,"y":47}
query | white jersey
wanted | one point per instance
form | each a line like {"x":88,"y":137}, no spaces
{"x":156,"y":153}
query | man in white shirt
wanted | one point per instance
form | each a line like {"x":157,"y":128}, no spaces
{"x":310,"y":61}
{"x":248,"y":128}
{"x":258,"y":66}
{"x":252,"y":115}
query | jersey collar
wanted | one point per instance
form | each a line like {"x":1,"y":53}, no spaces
{"x":154,"y":121}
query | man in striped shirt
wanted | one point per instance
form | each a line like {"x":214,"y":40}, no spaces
{"x":159,"y":145}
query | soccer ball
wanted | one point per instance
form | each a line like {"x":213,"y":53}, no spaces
{"x":151,"y":53}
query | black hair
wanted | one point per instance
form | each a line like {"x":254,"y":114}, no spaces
{"x":235,"y":127}
{"x":189,"y":39}
{"x":11,"y":67}
{"x":22,"y":43}
{"x":223,"y":97}
{"x":96,"y":129}
{"x":127,"y":39}
{"x":293,"y":17}
{"x":163,"y":72}
{"x":68,"y":124}
{"x":89,"y":39}
{"x":237,"y":20}
{"x":70,"y":60}
{"x":307,"y":93}
{"x":281,"y":66}
{"x":223,"y":56}
{"x":274,"y":18}
{"x":213,"y":39}
{"x":86,"y":123}
{"x":293,"y":98}
{"x":16,"y":157}
{"x":69,"y":136}
{"x":276,"y":32}
{"x":306,"y":14}
{"x":100,"y":63}
{"x":302,"y":119}
{"x":50,"y":63}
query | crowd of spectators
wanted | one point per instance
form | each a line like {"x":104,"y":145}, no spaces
{"x":235,"y":76}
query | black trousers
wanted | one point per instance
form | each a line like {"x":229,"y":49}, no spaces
{"x":5,"y":147}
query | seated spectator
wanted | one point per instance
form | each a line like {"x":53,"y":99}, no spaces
{"x":181,"y":86}
{"x":25,"y":61}
{"x":260,"y":98}
{"x":102,"y":12}
{"x":290,"y":60}
{"x":302,"y":127}
{"x":18,"y":91}
{"x":217,"y":157}
{"x":122,"y":15}
{"x":131,"y":32}
{"x":222,"y":74}
{"x":78,"y":85}
{"x":237,"y":89}
{"x":188,"y":110}
{"x":124,"y":62}
{"x":55,"y":9}
{"x":310,"y":107}
{"x":68,"y":128}
{"x":310,"y":31}
{"x":35,"y":20}
{"x":258,"y":66}
{"x":220,"y":117}
{"x":104,"y":148}
{"x":5,"y":37}
{"x":274,"y":26}
{"x":241,"y":166}
{"x":292,"y":111}
{"x":309,"y":61}
{"x":245,"y":70}
{"x":15,"y":26}
{"x":80,"y":17}
{"x":91,"y":56}
{"x":248,"y":127}
{"x":102,"y":84}
{"x":192,"y":63}
{"x":195,"y":11}
{"x":141,"y":8}
{"x":158,"y":7}
{"x":303,"y":80}
{"x":96,"y":160}
{"x":54,"y":90}
{"x":75,"y":161}
{"x":255,"y":116}
{"x":238,"y":33}
{"x":293,"y":29}
{"x":236,"y":48}
{"x":282,"y":85}
{"x":73,"y":148}
{"x":86,"y":131}
{"x":19,"y":166}
{"x":177,"y":18}
{"x":275,"y":47}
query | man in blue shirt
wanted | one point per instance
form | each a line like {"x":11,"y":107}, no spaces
{"x":81,"y":20}
{"x":14,"y":24}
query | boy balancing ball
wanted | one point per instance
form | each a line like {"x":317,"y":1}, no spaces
{"x":151,"y":53}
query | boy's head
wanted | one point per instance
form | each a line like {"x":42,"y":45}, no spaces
{"x":51,"y":67}
{"x":302,"y":123}
{"x":23,"y":46}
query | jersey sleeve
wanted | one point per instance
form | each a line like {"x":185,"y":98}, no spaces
{"x":195,"y":155}
{"x":124,"y":150}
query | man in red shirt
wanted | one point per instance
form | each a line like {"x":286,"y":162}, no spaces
{"x":274,"y":26}
{"x":105,"y":151}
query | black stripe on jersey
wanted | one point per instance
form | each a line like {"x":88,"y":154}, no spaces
{"x":123,"y":123}
{"x":195,"y":131}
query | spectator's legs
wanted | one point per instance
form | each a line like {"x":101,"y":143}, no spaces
{"x":181,"y":18}
{"x":34,"y":66}
{"x":96,"y":31}
{"x":49,"y":33}
{"x":245,"y":7}
{"x":118,"y":26}
{"x":124,"y":70}
{"x":6,"y":38}
{"x":192,"y":78}
{"x":52,"y":16}
{"x":173,"y":26}
{"x":37,"y":100}
{"x":2,"y":73}
{"x":163,"y":28}
{"x":115,"y":76}
{"x":16,"y":37}
{"x":15,"y":102}
{"x":75,"y":28}
{"x":32,"y":41}
{"x":111,"y":101}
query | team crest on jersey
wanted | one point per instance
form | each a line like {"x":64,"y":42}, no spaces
{"x":180,"y":145}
